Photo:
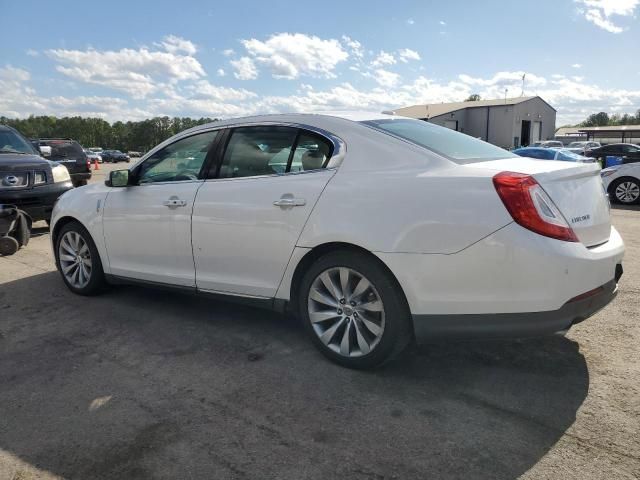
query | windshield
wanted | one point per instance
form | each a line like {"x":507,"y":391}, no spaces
{"x":577,"y":144}
{"x":11,"y":142}
{"x":456,"y":146}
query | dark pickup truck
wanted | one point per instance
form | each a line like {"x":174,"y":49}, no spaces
{"x":70,"y":154}
{"x":27,"y":180}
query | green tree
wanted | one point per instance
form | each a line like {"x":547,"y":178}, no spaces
{"x":473,"y":98}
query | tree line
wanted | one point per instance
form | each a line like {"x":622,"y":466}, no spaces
{"x":95,"y":132}
{"x":603,"y":119}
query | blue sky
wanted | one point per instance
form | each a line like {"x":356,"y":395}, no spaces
{"x":132,"y":60}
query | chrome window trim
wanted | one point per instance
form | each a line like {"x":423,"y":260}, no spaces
{"x":339,"y":146}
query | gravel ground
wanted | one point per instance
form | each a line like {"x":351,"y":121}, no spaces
{"x":140,"y":383}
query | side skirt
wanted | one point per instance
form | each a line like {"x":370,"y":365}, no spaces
{"x":267,"y":303}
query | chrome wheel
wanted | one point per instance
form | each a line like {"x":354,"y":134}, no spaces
{"x":346,"y":312}
{"x":75,"y":259}
{"x":628,"y":192}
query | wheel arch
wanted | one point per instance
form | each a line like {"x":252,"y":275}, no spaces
{"x":320,"y":250}
{"x":617,"y":181}
{"x":65,"y":220}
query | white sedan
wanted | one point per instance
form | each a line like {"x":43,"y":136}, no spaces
{"x":623,"y":182}
{"x":375,"y":229}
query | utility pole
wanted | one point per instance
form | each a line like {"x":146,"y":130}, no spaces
{"x":523,"y":76}
{"x":505,"y":95}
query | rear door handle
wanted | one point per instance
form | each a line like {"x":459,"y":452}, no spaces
{"x":174,"y":202}
{"x":290,"y":202}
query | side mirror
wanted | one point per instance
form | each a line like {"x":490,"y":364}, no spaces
{"x":45,"y":150}
{"x":118,"y":178}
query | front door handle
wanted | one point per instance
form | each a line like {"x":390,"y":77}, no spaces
{"x":174,"y":202}
{"x":290,"y":201}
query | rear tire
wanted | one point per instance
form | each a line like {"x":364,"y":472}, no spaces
{"x":78,"y":261}
{"x":626,"y":191}
{"x":361,"y":319}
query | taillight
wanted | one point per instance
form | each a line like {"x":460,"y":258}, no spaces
{"x":531,"y":207}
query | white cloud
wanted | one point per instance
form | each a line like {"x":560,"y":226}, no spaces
{"x":290,"y":56}
{"x":576,"y":65}
{"x":407,"y":54}
{"x":244,"y":68}
{"x":386,"y":78}
{"x":12,"y":74}
{"x":220,"y":72}
{"x":355,"y":47}
{"x":202,"y":89}
{"x":32,"y":53}
{"x":383,"y":58}
{"x":599,"y":12}
{"x":411,"y":21}
{"x":136,"y":72}
{"x":228,"y":52}
{"x":175,"y":44}
{"x":442,"y":22}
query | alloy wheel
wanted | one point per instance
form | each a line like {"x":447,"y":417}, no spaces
{"x":75,"y":259}
{"x":346,"y":312}
{"x":628,"y":192}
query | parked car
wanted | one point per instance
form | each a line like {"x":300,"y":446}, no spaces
{"x":69,"y":153}
{"x":93,"y":156}
{"x":582,"y":147}
{"x":629,"y":152}
{"x":547,"y":144}
{"x":114,"y":156}
{"x":133,"y":154}
{"x":362,"y":239}
{"x":562,"y":154}
{"x":27,"y":180}
{"x":622,"y":182}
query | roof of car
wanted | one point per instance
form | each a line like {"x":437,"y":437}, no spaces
{"x":353,"y":115}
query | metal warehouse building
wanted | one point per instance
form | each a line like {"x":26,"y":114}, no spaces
{"x":508,"y":123}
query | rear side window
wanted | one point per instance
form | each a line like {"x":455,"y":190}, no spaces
{"x":455,"y":146}
{"x":272,"y":150}
{"x":61,"y":149}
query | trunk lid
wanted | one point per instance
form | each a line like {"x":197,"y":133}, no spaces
{"x":575,"y":188}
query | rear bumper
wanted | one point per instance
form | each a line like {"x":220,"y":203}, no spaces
{"x":515,"y":324}
{"x":80,"y":176}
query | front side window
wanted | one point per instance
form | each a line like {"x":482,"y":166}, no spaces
{"x":457,"y":147}
{"x":180,"y":161}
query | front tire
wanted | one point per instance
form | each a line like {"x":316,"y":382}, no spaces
{"x":626,"y":191}
{"x":78,"y":261}
{"x":353,"y":310}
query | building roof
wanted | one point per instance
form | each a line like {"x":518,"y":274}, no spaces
{"x":608,"y":129}
{"x":613,"y":128}
{"x":436,"y":109}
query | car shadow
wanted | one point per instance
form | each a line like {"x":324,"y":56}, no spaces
{"x":143,"y":383}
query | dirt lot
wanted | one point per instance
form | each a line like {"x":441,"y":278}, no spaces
{"x":140,"y":383}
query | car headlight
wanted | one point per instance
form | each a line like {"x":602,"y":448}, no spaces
{"x":39,"y":178}
{"x":60,"y":174}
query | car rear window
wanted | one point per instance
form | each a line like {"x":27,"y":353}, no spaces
{"x":457,"y":147}
{"x":64,"y":149}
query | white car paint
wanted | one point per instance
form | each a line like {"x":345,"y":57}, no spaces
{"x":439,"y":227}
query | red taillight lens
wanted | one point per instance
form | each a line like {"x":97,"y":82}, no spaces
{"x":531,"y":207}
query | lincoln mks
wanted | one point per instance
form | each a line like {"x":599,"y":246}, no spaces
{"x":374,"y":229}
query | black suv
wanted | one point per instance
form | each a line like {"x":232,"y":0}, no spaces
{"x":629,"y":152}
{"x":27,"y":180}
{"x":70,"y":154}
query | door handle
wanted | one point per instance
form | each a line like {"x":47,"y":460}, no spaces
{"x":290,"y":202}
{"x":174,"y":202}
